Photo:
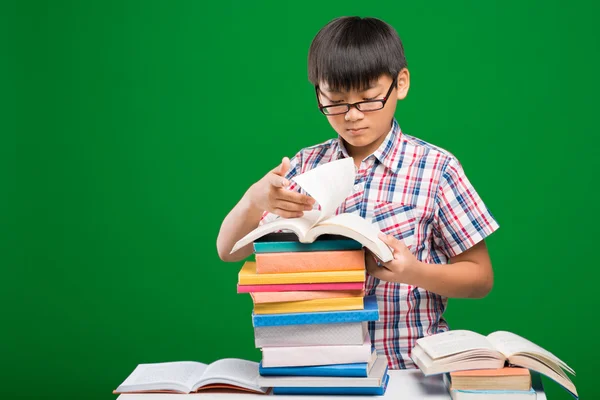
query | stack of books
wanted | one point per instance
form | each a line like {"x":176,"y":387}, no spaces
{"x":310,"y":316}
{"x":512,"y":383}
{"x":476,"y":366}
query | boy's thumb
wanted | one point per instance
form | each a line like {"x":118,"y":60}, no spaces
{"x":283,"y":167}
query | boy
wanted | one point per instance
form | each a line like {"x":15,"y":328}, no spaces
{"x":416,"y":193}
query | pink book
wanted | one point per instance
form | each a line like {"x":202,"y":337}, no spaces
{"x":276,"y":297}
{"x":316,"y":355}
{"x":301,"y":287}
{"x":340,"y":260}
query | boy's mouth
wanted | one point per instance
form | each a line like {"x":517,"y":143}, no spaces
{"x":355,"y":131}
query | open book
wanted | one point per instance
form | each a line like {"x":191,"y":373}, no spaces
{"x":190,"y":376}
{"x":329,"y":184}
{"x":464,"y":350}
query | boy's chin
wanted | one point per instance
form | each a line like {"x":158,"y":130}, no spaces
{"x":360,"y":140}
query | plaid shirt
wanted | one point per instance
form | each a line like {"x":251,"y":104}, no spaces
{"x":419,"y":193}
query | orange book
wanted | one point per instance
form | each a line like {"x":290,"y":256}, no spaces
{"x":507,"y":378}
{"x":276,"y":297}
{"x":310,"y":261}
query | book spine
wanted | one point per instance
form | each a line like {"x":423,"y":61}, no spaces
{"x":358,"y":370}
{"x":376,"y":391}
{"x":341,"y":286}
{"x":351,"y":333}
{"x":277,"y":297}
{"x":306,"y":306}
{"x":275,"y":263}
{"x":316,"y":355}
{"x":289,"y":247}
{"x":369,"y":313}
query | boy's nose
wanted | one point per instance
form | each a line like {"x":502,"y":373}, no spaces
{"x":354,"y":114}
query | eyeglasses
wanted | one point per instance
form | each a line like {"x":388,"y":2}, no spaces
{"x":363,"y":106}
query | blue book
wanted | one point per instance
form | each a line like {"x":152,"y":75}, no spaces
{"x":376,"y":391}
{"x":284,"y":242}
{"x":370,"y":313}
{"x":348,"y":370}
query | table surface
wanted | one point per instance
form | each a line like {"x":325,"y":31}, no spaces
{"x":404,"y":384}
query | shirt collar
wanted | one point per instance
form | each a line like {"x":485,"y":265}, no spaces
{"x":386,"y":153}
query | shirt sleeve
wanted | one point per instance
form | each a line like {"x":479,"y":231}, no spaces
{"x":462,"y":219}
{"x":295,"y":169}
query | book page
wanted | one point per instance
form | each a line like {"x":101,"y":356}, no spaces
{"x":233,"y":371}
{"x":329,"y":184}
{"x":299,"y":226}
{"x":509,"y":343}
{"x":365,"y":233}
{"x":453,"y":342}
{"x":164,"y":376}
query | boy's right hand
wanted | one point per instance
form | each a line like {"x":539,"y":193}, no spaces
{"x":270,"y":194}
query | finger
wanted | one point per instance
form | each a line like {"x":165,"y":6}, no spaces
{"x":285,"y":166}
{"x":282,"y":168}
{"x":288,"y":214}
{"x":289,"y":206}
{"x":379,"y":272}
{"x":295,"y":197}
{"x":278,"y":181}
{"x":390,"y":241}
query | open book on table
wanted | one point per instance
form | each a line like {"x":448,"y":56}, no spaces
{"x":190,"y":376}
{"x":465,"y":350}
{"x":329,"y":184}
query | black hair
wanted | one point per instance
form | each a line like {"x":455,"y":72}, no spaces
{"x":349,"y":53}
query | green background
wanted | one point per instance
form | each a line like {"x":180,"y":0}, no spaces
{"x":130,"y":129}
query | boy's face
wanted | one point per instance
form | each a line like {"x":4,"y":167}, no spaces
{"x":364,"y":131}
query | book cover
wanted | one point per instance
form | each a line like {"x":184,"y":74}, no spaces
{"x":340,"y":286}
{"x":340,"y":304}
{"x":276,"y":263}
{"x":248,"y":276}
{"x":310,"y":335}
{"x":370,"y":312}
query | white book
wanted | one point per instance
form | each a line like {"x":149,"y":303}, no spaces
{"x":493,"y":394}
{"x":300,"y":356}
{"x":310,"y":335}
{"x":464,"y":350}
{"x":191,"y":376}
{"x":373,"y":379}
{"x":329,"y":184}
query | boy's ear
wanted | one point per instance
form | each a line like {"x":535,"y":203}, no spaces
{"x":403,"y":83}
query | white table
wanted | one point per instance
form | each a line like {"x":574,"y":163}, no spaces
{"x":404,"y":384}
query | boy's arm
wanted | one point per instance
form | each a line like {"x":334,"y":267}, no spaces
{"x":268,"y":194}
{"x":461,"y":223}
{"x":469,"y":274}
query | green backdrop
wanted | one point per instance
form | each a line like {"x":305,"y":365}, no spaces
{"x":130,"y":129}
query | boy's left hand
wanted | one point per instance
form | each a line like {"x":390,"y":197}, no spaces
{"x":401,"y":269}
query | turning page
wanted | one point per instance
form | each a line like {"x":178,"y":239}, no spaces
{"x":329,"y":184}
{"x":510,"y":343}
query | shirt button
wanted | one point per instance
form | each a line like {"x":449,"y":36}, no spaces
{"x":356,"y":188}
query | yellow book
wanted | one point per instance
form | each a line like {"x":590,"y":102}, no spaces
{"x":248,"y":276}
{"x":339,"y":304}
